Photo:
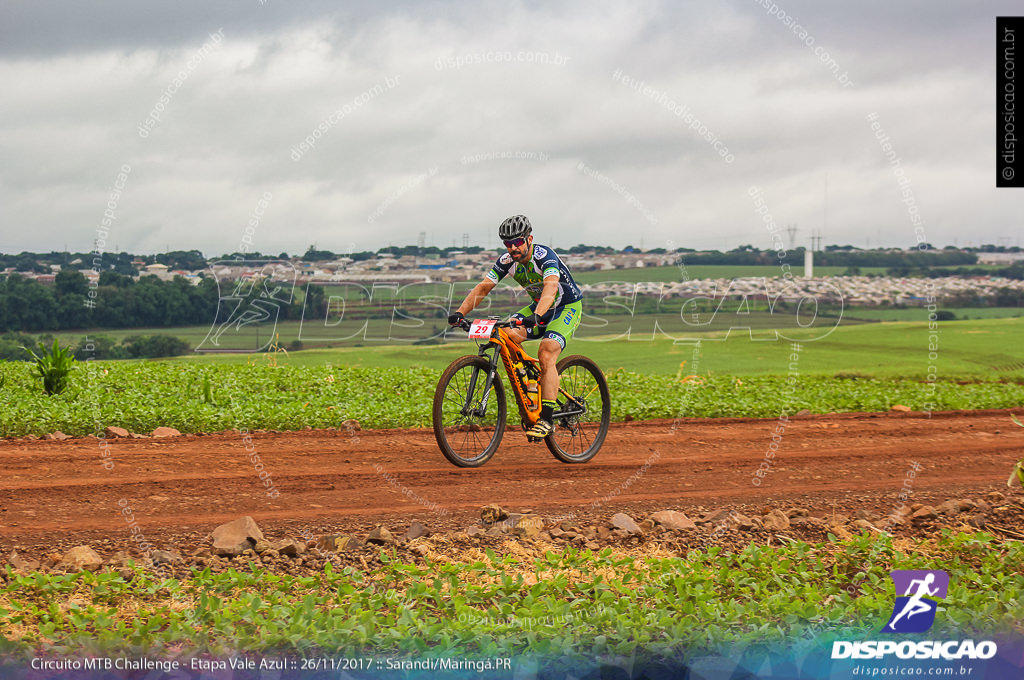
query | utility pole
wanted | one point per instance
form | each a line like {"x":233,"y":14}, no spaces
{"x":815,"y":240}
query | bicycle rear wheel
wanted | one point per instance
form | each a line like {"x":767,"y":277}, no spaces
{"x":467,"y":433}
{"x":580,"y":422}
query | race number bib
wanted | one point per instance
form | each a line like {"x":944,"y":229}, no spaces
{"x":481,"y":328}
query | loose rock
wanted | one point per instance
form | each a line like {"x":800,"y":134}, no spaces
{"x":621,"y":520}
{"x":671,"y":519}
{"x":22,"y":563}
{"x":114,"y":432}
{"x":741,"y":521}
{"x":289,"y":547}
{"x":864,"y":524}
{"x":415,"y":531}
{"x":923,"y":513}
{"x":776,"y":520}
{"x":381,"y":536}
{"x":81,"y":557}
{"x":491,"y":514}
{"x":165,"y":556}
{"x":234,"y":538}
{"x":715,"y":516}
{"x":165,"y":432}
{"x":528,"y":526}
{"x":338,"y":543}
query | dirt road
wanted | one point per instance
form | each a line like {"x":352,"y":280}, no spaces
{"x":59,"y":493}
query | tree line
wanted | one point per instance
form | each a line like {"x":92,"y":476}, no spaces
{"x":121,"y":301}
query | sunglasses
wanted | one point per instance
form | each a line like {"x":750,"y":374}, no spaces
{"x":514,"y":243}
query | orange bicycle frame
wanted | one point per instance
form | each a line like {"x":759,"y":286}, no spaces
{"x":511,"y":353}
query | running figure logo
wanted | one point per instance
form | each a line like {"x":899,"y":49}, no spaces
{"x":246,"y":317}
{"x":914,"y":611}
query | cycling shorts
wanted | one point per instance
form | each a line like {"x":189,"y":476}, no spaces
{"x":558,"y":324}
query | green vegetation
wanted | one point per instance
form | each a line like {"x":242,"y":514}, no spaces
{"x":971,"y":349}
{"x":1018,"y":467}
{"x":856,"y":368}
{"x":921,"y":313}
{"x":566,"y":606}
{"x":54,"y":366}
{"x":975,"y":347}
{"x":267,"y":394}
{"x":132,"y":347}
{"x":119,"y":301}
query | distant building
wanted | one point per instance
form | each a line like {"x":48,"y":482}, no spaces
{"x":1004,"y":259}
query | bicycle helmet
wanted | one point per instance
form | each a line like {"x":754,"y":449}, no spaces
{"x":517,"y":226}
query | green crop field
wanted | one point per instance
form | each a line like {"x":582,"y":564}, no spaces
{"x":921,"y":314}
{"x":857,"y":368}
{"x":602,"y":322}
{"x":552,"y":609}
{"x":980,"y":349}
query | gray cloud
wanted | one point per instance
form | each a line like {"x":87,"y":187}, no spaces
{"x":86,"y":80}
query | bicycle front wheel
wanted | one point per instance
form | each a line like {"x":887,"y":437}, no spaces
{"x":581,"y":418}
{"x":467,"y":429}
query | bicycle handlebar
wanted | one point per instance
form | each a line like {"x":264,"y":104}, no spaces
{"x":465,"y":324}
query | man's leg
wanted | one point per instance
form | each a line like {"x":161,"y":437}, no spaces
{"x":558,"y":331}
{"x":520,"y":335}
{"x":548,"y":354}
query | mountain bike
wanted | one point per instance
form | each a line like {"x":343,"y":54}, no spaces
{"x":470,"y":407}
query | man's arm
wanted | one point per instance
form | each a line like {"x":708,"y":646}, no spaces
{"x":547,"y":296}
{"x":477,"y":295}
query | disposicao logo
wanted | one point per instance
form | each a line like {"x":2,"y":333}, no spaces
{"x":914,"y":612}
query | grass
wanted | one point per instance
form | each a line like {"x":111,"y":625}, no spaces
{"x":921,"y":314}
{"x":976,"y":349}
{"x":983,"y":347}
{"x":560,"y":607}
{"x":856,"y":368}
{"x":194,"y":396}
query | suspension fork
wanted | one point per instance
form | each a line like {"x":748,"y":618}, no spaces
{"x":492,"y":361}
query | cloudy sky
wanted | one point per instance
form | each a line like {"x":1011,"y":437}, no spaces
{"x":645,"y":123}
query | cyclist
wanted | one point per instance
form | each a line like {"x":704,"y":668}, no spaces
{"x":553,"y":315}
